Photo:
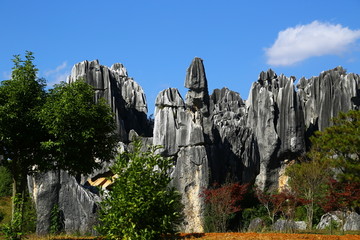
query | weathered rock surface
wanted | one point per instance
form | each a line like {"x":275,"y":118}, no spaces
{"x":323,"y":97}
{"x":212,"y":138}
{"x":282,"y":225}
{"x":329,"y":217}
{"x":77,"y":205}
{"x":235,"y":152}
{"x":351,"y":220}
{"x":197,"y":98}
{"x":276,"y":117}
{"x":256,"y":225}
{"x":124,"y":95}
{"x":179,"y":129}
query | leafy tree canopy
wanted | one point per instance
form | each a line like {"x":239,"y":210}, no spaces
{"x":79,"y":130}
{"x":340,"y":145}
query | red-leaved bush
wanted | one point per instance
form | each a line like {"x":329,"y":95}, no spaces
{"x":342,"y":196}
{"x":222,"y":201}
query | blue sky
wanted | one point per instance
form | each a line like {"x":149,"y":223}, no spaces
{"x":157,"y":39}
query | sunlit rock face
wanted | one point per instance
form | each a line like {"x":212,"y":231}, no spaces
{"x":77,"y":206}
{"x":275,"y":114}
{"x":179,"y":129}
{"x":220,"y":137}
{"x":125,"y":96}
{"x":212,"y":138}
{"x":323,"y":97}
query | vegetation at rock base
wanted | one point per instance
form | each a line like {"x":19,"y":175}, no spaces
{"x":140,"y":205}
{"x":281,"y":204}
{"x":329,"y":175}
{"x":222,"y":203}
{"x":308,"y":179}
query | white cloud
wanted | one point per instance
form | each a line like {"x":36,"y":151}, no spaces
{"x":55,"y":76}
{"x":296,"y":44}
{"x":56,"y":70}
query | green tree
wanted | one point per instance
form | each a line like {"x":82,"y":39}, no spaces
{"x":140,"y":205}
{"x":308,"y":178}
{"x":64,"y":129}
{"x":340,"y":145}
{"x":79,"y":130}
{"x":20,"y":130}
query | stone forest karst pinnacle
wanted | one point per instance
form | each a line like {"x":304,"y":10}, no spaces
{"x":211,"y":137}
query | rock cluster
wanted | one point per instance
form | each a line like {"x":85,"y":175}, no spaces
{"x":212,"y":138}
{"x":347,"y":221}
{"x":220,"y":137}
{"x":125,"y":96}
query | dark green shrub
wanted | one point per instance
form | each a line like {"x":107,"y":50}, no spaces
{"x":140,"y":205}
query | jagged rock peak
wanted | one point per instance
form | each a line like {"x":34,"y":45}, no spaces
{"x":169,"y":98}
{"x":197,"y":98}
{"x":120,"y":69}
{"x":267,"y":76}
{"x":80,"y":69}
{"x":222,"y":100}
{"x":125,"y":96}
{"x":339,"y":69}
{"x":195,"y":77}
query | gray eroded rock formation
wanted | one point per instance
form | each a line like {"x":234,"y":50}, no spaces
{"x":351,"y":220}
{"x":275,"y":115}
{"x":242,"y":141}
{"x":126,"y":97}
{"x":179,"y":129}
{"x":77,"y":206}
{"x":212,"y":138}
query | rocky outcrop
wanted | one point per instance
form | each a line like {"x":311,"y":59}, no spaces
{"x":282,"y":225}
{"x":212,"y":138}
{"x":275,"y":115}
{"x":76,"y":205}
{"x":235,"y":153}
{"x":351,"y":221}
{"x":125,"y":97}
{"x":227,"y":139}
{"x":179,"y":129}
{"x":323,"y":97}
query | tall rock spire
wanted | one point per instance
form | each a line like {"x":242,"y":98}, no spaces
{"x":197,"y":98}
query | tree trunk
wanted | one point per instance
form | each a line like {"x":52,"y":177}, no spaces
{"x":19,"y":197}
